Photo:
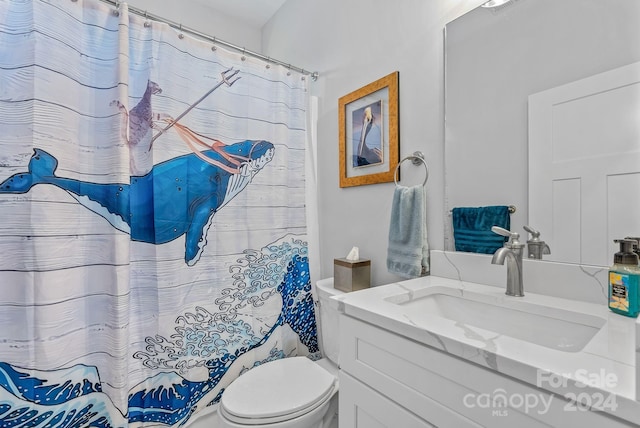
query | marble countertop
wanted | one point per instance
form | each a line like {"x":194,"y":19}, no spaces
{"x":605,"y":369}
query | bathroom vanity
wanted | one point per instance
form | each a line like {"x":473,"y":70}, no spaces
{"x":447,"y":352}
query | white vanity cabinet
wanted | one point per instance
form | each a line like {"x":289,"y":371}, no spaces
{"x":388,"y":380}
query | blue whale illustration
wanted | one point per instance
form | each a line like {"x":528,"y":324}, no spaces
{"x":177,"y":197}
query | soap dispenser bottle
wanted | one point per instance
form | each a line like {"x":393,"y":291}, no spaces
{"x":636,"y":245}
{"x":624,"y":280}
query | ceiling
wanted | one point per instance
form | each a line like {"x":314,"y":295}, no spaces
{"x":253,"y":12}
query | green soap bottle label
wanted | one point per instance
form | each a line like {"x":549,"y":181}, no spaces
{"x":623,"y":293}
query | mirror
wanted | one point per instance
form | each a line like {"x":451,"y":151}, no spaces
{"x":496,"y":60}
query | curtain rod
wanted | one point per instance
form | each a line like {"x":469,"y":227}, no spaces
{"x":215,"y":40}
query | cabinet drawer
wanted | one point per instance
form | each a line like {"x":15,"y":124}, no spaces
{"x":362,"y":407}
{"x":435,"y":385}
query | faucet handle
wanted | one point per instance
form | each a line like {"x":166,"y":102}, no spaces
{"x":513,"y":236}
{"x":504,"y":232}
{"x":535,"y":235}
{"x":537,"y":247}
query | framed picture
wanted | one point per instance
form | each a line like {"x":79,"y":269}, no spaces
{"x":368,"y":131}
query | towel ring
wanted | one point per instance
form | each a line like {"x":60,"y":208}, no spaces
{"x":416,"y":158}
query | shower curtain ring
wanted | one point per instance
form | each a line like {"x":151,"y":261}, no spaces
{"x":116,"y":11}
{"x":268,"y":66}
{"x":289,"y":72}
{"x":181,"y":36}
{"x":214,"y":48}
{"x":147,"y":24}
{"x":243,"y":58}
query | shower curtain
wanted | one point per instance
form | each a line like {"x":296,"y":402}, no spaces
{"x":152,"y":218}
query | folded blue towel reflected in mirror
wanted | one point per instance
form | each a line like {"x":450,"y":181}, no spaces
{"x":472,"y":228}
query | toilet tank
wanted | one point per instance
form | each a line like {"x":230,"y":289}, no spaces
{"x":329,"y":319}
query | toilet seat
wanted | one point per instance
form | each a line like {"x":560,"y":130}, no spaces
{"x":277,"y":391}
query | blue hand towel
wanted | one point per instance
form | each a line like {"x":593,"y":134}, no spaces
{"x":472,"y":228}
{"x":408,"y":251}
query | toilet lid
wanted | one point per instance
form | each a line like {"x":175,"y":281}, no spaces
{"x":278,"y":390}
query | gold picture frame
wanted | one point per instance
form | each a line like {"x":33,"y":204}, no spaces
{"x":369,"y":133}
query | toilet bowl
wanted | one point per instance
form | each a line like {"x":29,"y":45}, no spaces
{"x":291,"y":392}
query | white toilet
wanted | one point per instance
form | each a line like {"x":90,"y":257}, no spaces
{"x":291,"y":392}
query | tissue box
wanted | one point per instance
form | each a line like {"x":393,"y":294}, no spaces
{"x":351,"y":275}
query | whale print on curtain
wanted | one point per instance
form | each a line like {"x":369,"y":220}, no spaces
{"x":153,"y":233}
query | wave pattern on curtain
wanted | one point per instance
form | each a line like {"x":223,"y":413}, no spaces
{"x":146,"y":262}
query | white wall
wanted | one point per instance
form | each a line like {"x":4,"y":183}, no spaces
{"x":203,"y":19}
{"x":352,"y":43}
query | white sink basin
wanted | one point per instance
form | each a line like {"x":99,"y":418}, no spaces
{"x":509,"y":316}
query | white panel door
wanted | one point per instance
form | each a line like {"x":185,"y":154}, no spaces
{"x":584,"y":165}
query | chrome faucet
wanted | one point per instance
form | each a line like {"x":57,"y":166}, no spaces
{"x":535,"y":247}
{"x":512,"y":252}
